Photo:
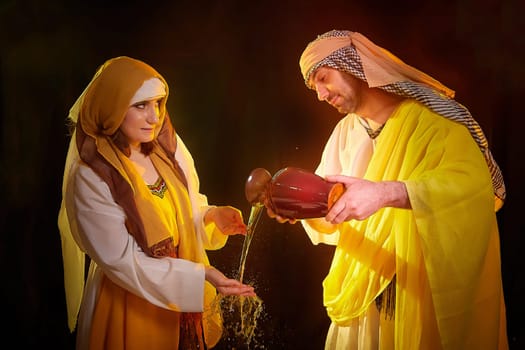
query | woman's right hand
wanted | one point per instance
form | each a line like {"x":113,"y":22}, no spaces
{"x":227,"y":286}
{"x":227,"y":219}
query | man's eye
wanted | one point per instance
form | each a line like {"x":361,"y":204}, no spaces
{"x":139,"y":105}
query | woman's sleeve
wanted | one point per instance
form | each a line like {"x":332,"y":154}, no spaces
{"x":210,"y":235}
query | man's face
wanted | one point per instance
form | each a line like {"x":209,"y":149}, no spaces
{"x":341,"y":90}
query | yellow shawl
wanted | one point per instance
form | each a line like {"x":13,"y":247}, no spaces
{"x":444,"y":252}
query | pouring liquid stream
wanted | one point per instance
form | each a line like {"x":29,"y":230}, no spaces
{"x":240,"y":314}
{"x":255,"y":215}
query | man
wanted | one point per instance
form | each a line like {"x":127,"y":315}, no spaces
{"x":417,"y":262}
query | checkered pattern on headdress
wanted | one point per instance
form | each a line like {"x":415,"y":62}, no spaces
{"x":347,"y":59}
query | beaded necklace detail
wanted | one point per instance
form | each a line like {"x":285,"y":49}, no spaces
{"x":158,"y":188}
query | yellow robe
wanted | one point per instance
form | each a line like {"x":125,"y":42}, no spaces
{"x":444,"y":251}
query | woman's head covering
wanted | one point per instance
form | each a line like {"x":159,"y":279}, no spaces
{"x":353,"y":53}
{"x":109,"y":95}
{"x":118,"y":84}
{"x":151,"y":89}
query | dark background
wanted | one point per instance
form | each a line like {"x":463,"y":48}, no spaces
{"x":239,"y":102}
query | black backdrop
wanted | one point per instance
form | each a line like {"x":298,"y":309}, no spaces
{"x":238,"y":101}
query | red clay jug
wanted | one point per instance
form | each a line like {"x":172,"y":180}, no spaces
{"x":292,"y":192}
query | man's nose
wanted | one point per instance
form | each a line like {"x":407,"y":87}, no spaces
{"x":322,"y":93}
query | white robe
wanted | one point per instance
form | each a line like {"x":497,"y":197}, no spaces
{"x":348,"y":152}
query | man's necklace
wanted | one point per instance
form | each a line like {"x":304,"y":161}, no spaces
{"x":371,"y":133}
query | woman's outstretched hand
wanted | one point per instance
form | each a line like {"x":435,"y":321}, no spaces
{"x":227,"y":219}
{"x":227,"y":286}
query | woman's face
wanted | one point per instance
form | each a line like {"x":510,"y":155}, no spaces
{"x":141,"y":121}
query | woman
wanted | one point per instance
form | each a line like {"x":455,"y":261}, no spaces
{"x":131,"y":202}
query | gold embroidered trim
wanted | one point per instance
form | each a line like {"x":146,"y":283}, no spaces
{"x":158,"y":188}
